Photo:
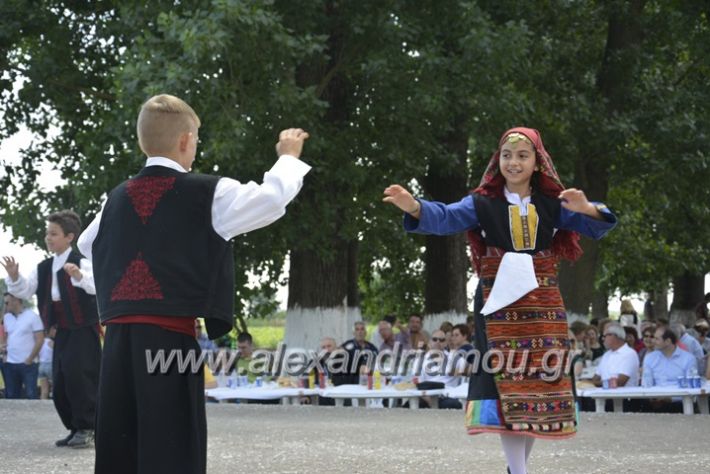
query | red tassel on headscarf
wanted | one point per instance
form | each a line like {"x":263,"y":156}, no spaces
{"x":565,"y":243}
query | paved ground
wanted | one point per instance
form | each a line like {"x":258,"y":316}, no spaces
{"x":249,"y":439}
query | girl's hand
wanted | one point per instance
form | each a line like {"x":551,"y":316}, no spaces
{"x":574,"y":200}
{"x":400,"y":197}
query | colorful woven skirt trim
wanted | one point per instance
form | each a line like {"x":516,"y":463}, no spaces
{"x":529,"y":347}
{"x":484,"y":416}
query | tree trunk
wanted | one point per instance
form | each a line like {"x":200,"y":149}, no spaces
{"x":600,"y":304}
{"x":323,"y":294}
{"x":577,"y":281}
{"x":656,"y":306}
{"x":446,"y":261}
{"x":613,"y":82}
{"x":688,"y":291}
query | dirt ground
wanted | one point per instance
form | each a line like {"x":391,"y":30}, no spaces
{"x":303,"y":439}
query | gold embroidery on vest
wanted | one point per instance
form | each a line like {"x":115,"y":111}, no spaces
{"x":523,"y":229}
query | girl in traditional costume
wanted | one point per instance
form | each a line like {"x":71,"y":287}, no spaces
{"x":520,"y":222}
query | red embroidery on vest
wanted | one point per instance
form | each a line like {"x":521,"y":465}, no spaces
{"x":77,"y":316}
{"x":47,"y":302}
{"x":146,"y":192}
{"x":137,"y":283}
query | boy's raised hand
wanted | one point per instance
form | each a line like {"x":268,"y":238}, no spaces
{"x":291,"y":142}
{"x":11,"y":267}
{"x":400,"y":197}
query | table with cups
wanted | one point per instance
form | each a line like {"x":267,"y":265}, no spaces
{"x":682,"y":391}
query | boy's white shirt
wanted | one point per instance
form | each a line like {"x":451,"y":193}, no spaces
{"x":26,"y":287}
{"x":237,"y":208}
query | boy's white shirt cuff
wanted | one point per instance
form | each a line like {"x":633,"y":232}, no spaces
{"x":18,"y":288}
{"x":515,"y":278}
{"x":290,"y":164}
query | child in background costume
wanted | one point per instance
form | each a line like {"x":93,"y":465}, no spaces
{"x":65,"y":291}
{"x":162,"y":257}
{"x":520,"y":221}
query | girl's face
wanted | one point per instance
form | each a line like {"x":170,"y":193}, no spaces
{"x":517,"y":163}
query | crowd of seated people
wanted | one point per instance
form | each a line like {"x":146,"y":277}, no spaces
{"x":647,"y":353}
{"x":623,"y":353}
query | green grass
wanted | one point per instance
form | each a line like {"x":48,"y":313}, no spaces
{"x":266,"y":337}
{"x":268,"y":333}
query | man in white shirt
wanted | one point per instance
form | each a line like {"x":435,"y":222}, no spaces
{"x":435,"y":366}
{"x":25,"y":335}
{"x":619,"y":361}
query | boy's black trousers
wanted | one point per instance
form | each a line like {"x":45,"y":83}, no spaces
{"x":150,"y":422}
{"x":76,"y":361}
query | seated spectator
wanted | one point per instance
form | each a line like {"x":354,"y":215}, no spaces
{"x":413,"y":336}
{"x":245,"y":346}
{"x":647,"y":324}
{"x":327,"y":346}
{"x":360,"y":354}
{"x":384,"y":329}
{"x":376,"y":339}
{"x":437,"y":357}
{"x":664,"y":365}
{"x":601,"y":326}
{"x":691,"y":345}
{"x":447,"y":327}
{"x":578,"y":331}
{"x":667,"y":362}
{"x":594,"y":348}
{"x":576,"y":354}
{"x":632,"y":338}
{"x":460,"y":347}
{"x":702,"y":327}
{"x":648,"y":334}
{"x":618,"y":361}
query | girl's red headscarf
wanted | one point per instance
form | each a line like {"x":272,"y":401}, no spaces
{"x":546,"y":181}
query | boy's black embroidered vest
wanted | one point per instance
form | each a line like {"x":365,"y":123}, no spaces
{"x":506,"y":228}
{"x":157,"y":254}
{"x":79,"y":306}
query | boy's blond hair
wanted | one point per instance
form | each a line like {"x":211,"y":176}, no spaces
{"x":161,"y":121}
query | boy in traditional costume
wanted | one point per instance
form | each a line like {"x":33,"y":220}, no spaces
{"x":162,"y":257}
{"x":520,"y":221}
{"x":64,"y":285}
